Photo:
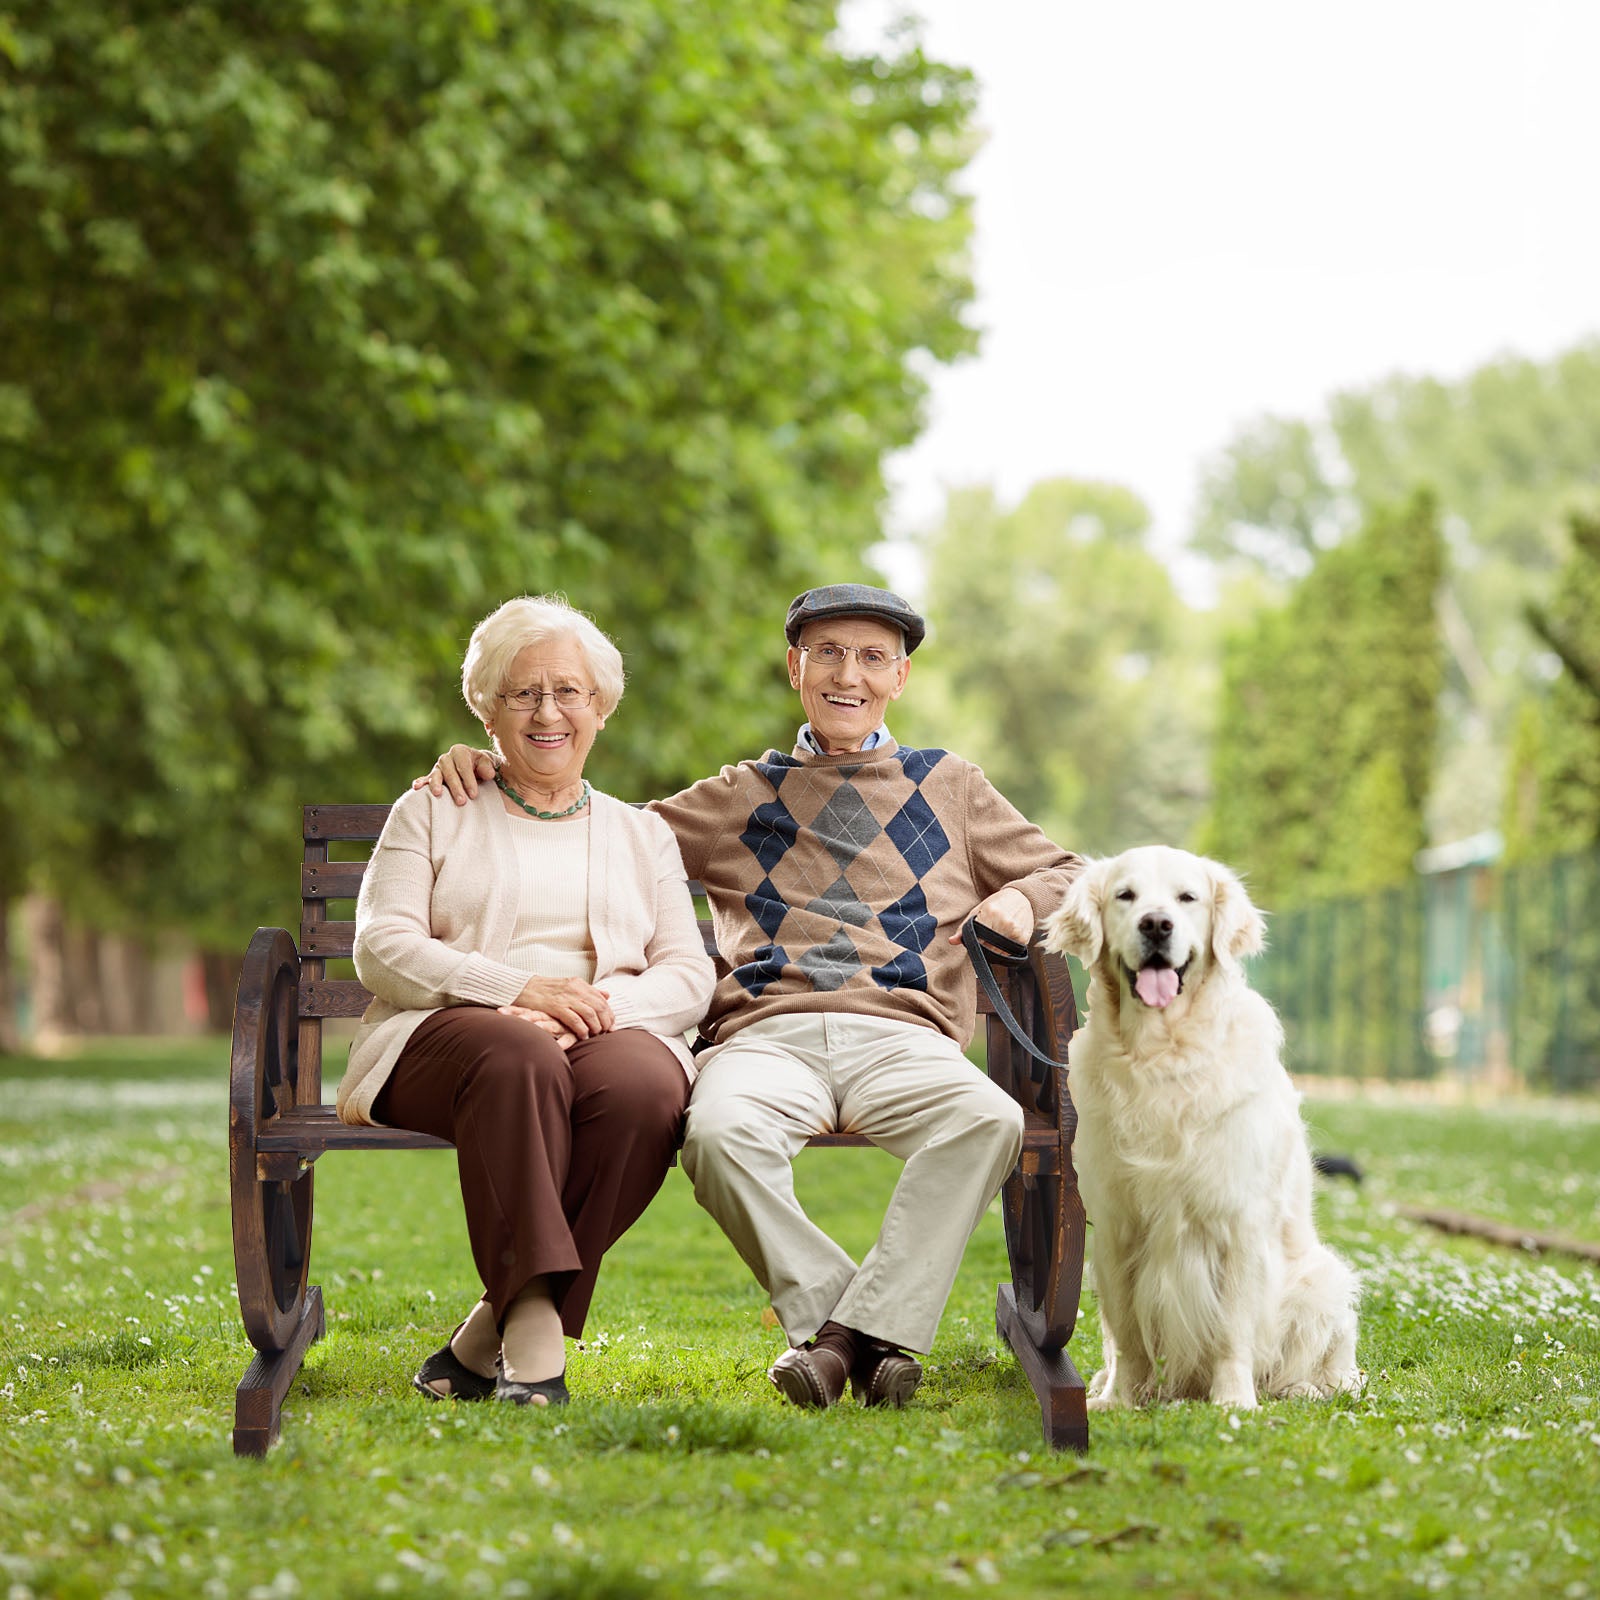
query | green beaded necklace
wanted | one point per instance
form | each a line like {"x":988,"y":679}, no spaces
{"x":533,"y":811}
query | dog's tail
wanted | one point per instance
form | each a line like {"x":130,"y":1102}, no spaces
{"x":1316,"y":1351}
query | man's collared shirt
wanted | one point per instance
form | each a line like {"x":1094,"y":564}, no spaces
{"x":806,"y":740}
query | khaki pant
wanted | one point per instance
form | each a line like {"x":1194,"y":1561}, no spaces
{"x":910,"y":1090}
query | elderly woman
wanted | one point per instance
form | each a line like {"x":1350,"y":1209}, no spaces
{"x":535,"y":962}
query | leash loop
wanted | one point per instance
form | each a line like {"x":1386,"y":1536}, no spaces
{"x":1006,"y":953}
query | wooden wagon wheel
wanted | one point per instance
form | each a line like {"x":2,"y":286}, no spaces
{"x":1042,"y":1210}
{"x":271,"y":1219}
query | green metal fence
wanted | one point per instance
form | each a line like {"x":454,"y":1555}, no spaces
{"x":1487,"y":973}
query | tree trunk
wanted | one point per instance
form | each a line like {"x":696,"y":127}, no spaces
{"x":10,"y":1033}
{"x":222,"y":984}
{"x":52,"y":1022}
{"x":125,"y":984}
{"x":84,"y":1001}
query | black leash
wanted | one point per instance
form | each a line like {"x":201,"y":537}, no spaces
{"x":1007,"y":953}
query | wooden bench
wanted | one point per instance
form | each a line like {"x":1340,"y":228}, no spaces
{"x":278,"y":1127}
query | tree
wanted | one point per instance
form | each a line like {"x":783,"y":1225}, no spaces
{"x":1065,"y":663}
{"x":1552,"y":832}
{"x":328,"y":326}
{"x":1502,"y":449}
{"x":1553,"y":797}
{"x":1508,"y":451}
{"x":1325,"y":746}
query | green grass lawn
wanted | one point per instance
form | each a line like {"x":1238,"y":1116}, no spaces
{"x":1470,"y":1466}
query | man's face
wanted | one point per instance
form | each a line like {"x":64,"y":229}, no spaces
{"x":844,"y":702}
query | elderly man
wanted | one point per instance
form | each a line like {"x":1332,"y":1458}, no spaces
{"x":839,"y":876}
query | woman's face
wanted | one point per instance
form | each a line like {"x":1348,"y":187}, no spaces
{"x":545,"y":747}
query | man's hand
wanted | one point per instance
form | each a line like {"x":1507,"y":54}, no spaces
{"x":458,"y":770}
{"x":1005,"y":911}
{"x":564,"y":1037}
{"x":579,"y":1007}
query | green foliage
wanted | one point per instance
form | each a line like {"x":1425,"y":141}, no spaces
{"x":1553,"y":798}
{"x":1508,"y":451}
{"x":1065,"y":664}
{"x":1468,"y":1467}
{"x":1479,"y":974}
{"x":1519,"y":815}
{"x":328,"y":326}
{"x":1550,"y":993}
{"x":1324,"y":751}
{"x":1346,"y":977}
{"x":1267,"y":501}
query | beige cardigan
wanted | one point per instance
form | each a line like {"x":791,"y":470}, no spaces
{"x":435,"y":916}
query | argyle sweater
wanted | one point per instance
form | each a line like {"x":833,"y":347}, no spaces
{"x":835,"y":882}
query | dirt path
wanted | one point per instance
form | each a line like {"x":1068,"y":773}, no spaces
{"x":1500,"y":1232}
{"x":97,"y":1192}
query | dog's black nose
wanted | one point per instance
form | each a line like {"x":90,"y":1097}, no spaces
{"x":1154,"y":927}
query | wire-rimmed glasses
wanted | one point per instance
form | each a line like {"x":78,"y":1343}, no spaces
{"x":869,"y":657}
{"x":567,"y":696}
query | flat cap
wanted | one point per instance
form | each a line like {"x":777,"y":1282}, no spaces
{"x":853,"y":600}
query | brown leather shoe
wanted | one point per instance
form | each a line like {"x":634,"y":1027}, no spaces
{"x":811,"y":1377}
{"x":885,"y":1376}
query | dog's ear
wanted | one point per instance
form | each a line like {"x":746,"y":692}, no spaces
{"x":1076,"y":929}
{"x":1237,"y":928}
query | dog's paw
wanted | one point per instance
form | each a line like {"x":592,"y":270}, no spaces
{"x":1233,"y":1384}
{"x":1234,"y":1398}
{"x":1104,"y":1393}
{"x":1302,"y":1391}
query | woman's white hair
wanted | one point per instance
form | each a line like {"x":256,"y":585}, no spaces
{"x":534,"y":620}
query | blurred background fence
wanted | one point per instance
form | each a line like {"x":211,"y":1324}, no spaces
{"x":1482,"y":972}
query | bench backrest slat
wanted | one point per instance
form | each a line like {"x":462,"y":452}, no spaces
{"x":332,"y":997}
{"x":332,"y":941}
{"x":322,"y":940}
{"x":329,"y":940}
{"x":331,"y":880}
{"x":358,"y":822}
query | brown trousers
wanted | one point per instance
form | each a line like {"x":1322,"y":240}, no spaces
{"x":559,"y":1151}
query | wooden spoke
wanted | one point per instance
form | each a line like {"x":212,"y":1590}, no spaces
{"x":271,"y":1217}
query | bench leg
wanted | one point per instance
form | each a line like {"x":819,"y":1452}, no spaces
{"x":258,"y":1402}
{"x":1063,"y":1406}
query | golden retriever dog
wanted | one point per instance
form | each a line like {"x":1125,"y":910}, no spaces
{"x":1190,"y":1151}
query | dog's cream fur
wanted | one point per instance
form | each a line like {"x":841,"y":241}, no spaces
{"x":1190,"y":1150}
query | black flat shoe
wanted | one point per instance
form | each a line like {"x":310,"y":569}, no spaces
{"x":553,"y":1390}
{"x":463,"y":1383}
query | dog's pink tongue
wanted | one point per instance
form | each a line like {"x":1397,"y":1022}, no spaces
{"x":1157,"y":986}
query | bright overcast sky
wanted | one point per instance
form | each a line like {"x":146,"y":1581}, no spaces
{"x":1191,"y":212}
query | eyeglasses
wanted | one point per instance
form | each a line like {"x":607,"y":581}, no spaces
{"x":568,"y":697}
{"x":871,"y":658}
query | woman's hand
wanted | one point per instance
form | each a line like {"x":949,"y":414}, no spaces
{"x":564,"y":1037}
{"x":459,"y":770}
{"x":578,"y":1006}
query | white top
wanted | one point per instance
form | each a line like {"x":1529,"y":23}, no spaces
{"x":437,"y":908}
{"x":550,"y":936}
